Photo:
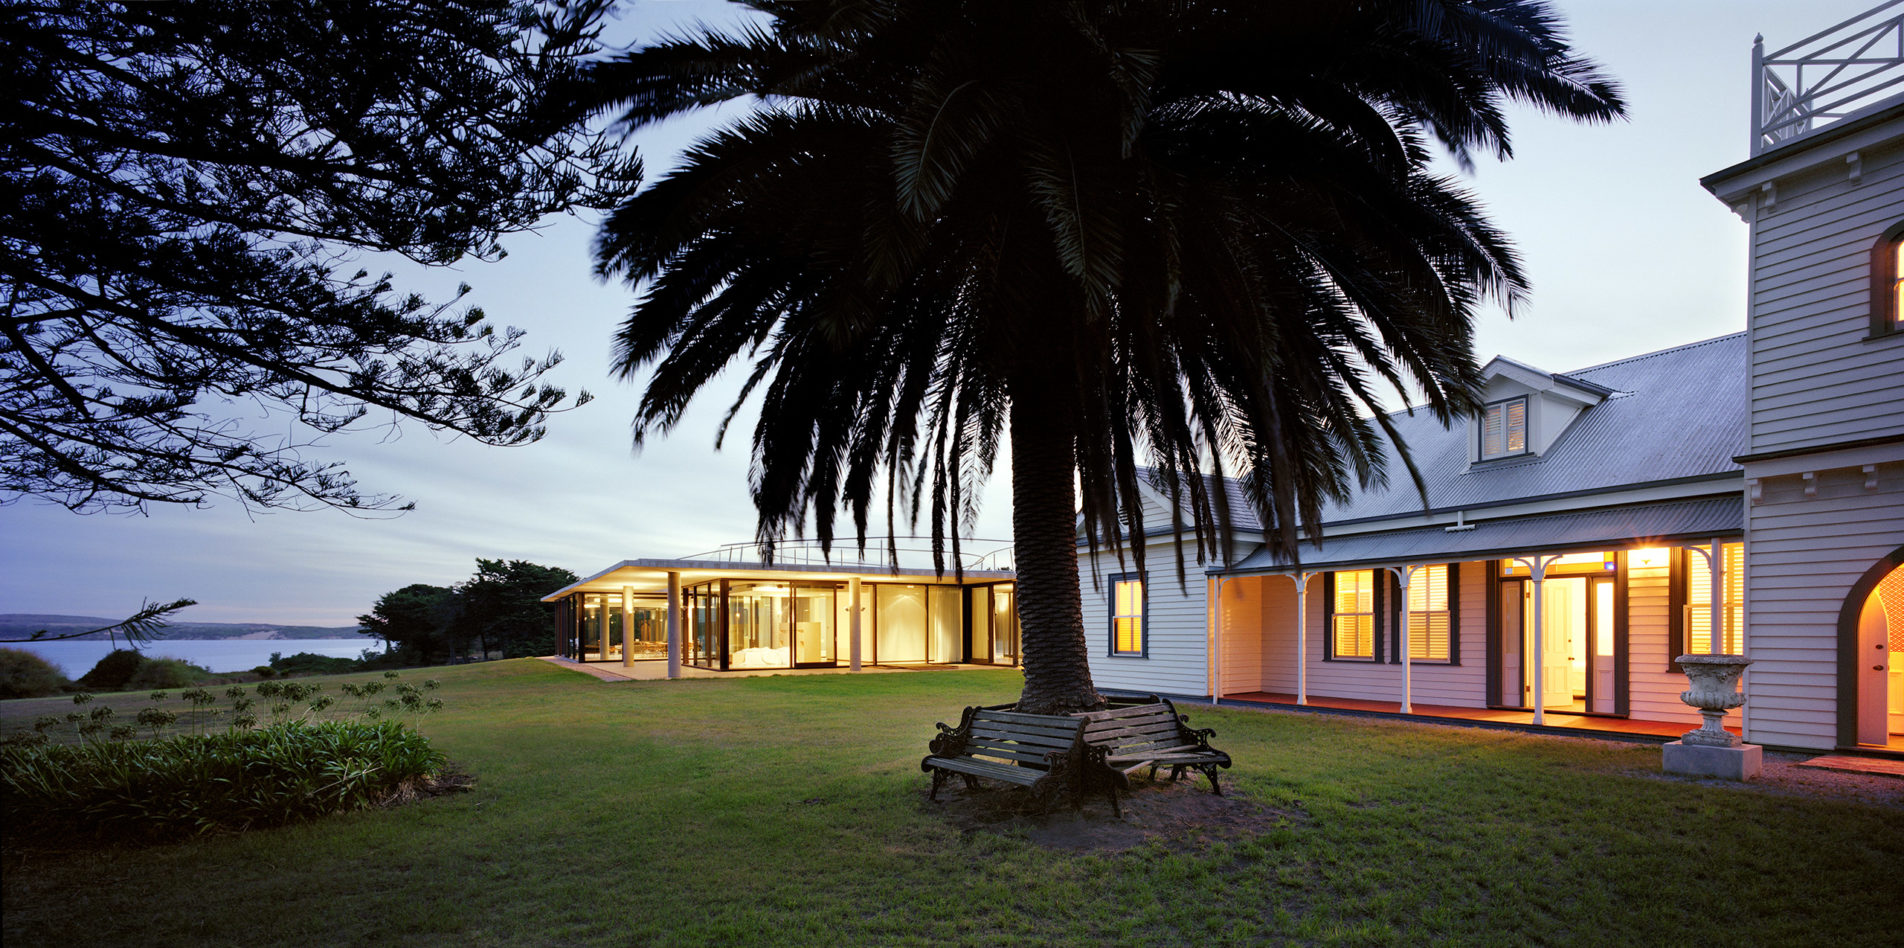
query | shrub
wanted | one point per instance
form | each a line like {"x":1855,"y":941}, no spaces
{"x":113,"y":671}
{"x":26,"y":675}
{"x":198,"y":785}
{"x":310,"y":663}
{"x":264,"y":671}
{"x":166,"y":673}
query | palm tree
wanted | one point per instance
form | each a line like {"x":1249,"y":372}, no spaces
{"x":1197,"y":236}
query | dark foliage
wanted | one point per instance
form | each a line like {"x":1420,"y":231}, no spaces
{"x":198,"y":785}
{"x":498,"y":610}
{"x":309,"y":663}
{"x":26,"y":675}
{"x":113,"y":671}
{"x":182,"y":187}
{"x":501,"y":607}
{"x":414,"y":622}
{"x":1200,"y":236}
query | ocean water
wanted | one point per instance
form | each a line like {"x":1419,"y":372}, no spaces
{"x":77,"y":657}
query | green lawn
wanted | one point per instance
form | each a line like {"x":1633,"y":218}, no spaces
{"x":791,"y":810}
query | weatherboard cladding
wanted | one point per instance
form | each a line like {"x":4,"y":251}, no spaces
{"x":1576,"y":530}
{"x":1675,"y":414}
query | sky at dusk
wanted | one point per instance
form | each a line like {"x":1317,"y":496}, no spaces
{"x":1626,"y":253}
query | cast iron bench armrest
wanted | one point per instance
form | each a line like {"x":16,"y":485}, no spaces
{"x":1153,"y":734}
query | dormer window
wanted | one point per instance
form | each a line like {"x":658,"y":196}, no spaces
{"x":1504,"y":429}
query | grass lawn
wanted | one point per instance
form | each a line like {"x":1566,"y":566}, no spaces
{"x":791,"y":810}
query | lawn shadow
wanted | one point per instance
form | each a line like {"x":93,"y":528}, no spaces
{"x":1181,"y":815}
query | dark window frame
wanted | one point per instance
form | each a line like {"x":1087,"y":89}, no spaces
{"x":1143,"y":617}
{"x":1454,"y":620}
{"x":1886,"y":321}
{"x":1377,"y":633}
{"x":1682,"y":567}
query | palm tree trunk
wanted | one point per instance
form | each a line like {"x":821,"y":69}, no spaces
{"x":1044,"y":539}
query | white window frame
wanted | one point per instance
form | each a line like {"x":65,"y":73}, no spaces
{"x":1501,"y":413}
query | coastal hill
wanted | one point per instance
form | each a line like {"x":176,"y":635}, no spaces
{"x":18,"y":625}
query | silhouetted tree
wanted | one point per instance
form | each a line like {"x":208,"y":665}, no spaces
{"x":182,"y":187}
{"x":501,"y":607}
{"x":414,"y":622}
{"x":1195,"y":234}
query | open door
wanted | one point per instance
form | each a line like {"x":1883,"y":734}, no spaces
{"x":1880,"y":667}
{"x":1561,"y":599}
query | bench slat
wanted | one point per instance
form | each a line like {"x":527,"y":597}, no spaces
{"x":1107,"y":734}
{"x":1136,"y":710}
{"x":1023,"y":776}
{"x":1047,"y":720}
{"x":1021,"y":737}
{"x":1033,"y":757}
{"x":1029,"y":735}
{"x":1152,"y":747}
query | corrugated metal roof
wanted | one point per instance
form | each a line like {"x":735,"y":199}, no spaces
{"x":1675,"y":414}
{"x":1577,"y":531}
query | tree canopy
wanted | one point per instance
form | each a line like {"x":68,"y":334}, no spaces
{"x":499,"y":609}
{"x":184,"y":188}
{"x":413,"y":621}
{"x":1201,"y":237}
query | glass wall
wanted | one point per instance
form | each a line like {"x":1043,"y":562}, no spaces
{"x":915,"y":624}
{"x":757,"y":626}
{"x":1004,"y":625}
{"x":600,"y":627}
{"x":745,"y":624}
{"x":703,"y":607}
{"x":650,"y":623}
{"x":981,"y":650}
{"x":815,"y":630}
{"x":899,"y":624}
{"x":946,"y":642}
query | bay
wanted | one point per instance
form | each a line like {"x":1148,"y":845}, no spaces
{"x":77,"y":657}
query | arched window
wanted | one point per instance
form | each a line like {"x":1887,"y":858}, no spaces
{"x":1887,"y":282}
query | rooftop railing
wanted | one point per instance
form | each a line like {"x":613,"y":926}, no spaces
{"x":914,"y":553}
{"x":1833,"y":74}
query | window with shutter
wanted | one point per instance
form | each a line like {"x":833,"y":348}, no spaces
{"x":1698,"y":619}
{"x":1429,"y":618}
{"x":1504,"y":429}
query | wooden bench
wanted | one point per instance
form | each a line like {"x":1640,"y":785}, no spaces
{"x":1040,"y":752}
{"x":1152,"y":734}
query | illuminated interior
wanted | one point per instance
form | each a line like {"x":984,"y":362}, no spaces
{"x":747,"y":624}
{"x":1880,"y":685}
{"x":1699,"y":603}
{"x":1579,"y":670}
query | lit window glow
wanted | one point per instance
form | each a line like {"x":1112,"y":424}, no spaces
{"x":1127,"y":617}
{"x":1429,"y":620}
{"x":1699,"y":603}
{"x":1652,"y":557}
{"x":1504,"y":429}
{"x":1353,"y":615}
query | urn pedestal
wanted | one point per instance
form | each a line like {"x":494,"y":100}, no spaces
{"x":1710,"y":750}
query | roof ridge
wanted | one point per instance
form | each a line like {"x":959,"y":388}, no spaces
{"x":1659,"y":352}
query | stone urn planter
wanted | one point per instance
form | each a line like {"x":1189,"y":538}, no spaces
{"x":1714,"y":691}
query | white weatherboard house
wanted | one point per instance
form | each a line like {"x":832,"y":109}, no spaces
{"x":1741,"y":494}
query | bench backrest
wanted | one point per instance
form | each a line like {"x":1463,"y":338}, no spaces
{"x":1134,"y":728}
{"x":1023,"y":739}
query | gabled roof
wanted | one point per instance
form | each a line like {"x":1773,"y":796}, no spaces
{"x":1673,"y":415}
